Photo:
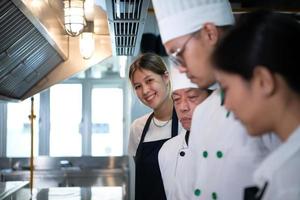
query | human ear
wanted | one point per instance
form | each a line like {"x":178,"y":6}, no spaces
{"x":210,"y":33}
{"x":264,"y":80}
{"x":166,"y":76}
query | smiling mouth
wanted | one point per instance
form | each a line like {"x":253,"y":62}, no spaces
{"x":149,"y":97}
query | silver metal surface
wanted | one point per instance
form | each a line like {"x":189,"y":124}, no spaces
{"x":77,"y":193}
{"x":9,"y":189}
{"x":69,"y":172}
{"x":25,"y":68}
{"x":126,"y":20}
{"x":70,"y":177}
{"x":26,"y":56}
{"x":48,"y":15}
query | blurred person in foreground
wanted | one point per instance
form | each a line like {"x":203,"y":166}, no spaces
{"x":224,"y":156}
{"x":262,"y":89}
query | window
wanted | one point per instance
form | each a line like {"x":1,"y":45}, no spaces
{"x":107,"y":193}
{"x":19,"y":128}
{"x":81,"y":116}
{"x":107,"y":121}
{"x":65,"y":118}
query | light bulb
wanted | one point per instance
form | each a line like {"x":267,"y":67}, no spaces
{"x":87,"y":45}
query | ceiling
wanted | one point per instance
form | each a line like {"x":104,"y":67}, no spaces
{"x":35,"y":52}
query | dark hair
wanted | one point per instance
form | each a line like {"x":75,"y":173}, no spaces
{"x":262,"y":38}
{"x":148,"y":61}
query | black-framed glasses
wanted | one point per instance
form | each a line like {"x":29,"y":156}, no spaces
{"x":176,"y":57}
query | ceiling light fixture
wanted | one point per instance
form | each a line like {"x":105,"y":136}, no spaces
{"x":87,"y":42}
{"x":74,"y":17}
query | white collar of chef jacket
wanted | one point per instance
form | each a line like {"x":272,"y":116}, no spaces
{"x":277,"y":158}
{"x":214,"y":86}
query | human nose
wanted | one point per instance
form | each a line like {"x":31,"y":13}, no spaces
{"x":182,"y":69}
{"x":184,"y":106}
{"x":145,"y":89}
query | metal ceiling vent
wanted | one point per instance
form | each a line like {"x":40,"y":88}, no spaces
{"x":26,"y":56}
{"x":126,"y":19}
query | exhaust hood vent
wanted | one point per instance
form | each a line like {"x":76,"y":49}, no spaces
{"x":26,"y":56}
{"x":126,"y":20}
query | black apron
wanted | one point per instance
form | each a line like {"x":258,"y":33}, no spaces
{"x":148,"y":181}
{"x":254,"y":193}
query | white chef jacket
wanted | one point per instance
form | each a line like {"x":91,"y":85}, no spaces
{"x":172,"y":164}
{"x":224,"y":156}
{"x":282,"y":171}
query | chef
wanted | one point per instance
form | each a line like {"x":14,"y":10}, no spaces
{"x":223,"y":156}
{"x":186,"y":96}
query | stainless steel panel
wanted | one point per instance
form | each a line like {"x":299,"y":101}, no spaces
{"x":26,"y":55}
{"x":10,"y":189}
{"x":69,"y":171}
{"x":126,"y":19}
{"x":77,"y":193}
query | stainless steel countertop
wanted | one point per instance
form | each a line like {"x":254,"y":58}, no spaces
{"x":77,"y":193}
{"x":10,"y":187}
{"x":84,"y":178}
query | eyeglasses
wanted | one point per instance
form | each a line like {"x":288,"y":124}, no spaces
{"x":175,"y":57}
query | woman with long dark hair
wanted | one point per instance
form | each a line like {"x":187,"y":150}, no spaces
{"x":257,"y":65}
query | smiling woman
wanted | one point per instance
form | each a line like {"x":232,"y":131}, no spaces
{"x":150,"y":80}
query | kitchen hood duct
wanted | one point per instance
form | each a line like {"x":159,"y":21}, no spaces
{"x":27,"y":55}
{"x":126,"y":20}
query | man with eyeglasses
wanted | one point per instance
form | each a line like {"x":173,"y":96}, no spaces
{"x":224,"y":156}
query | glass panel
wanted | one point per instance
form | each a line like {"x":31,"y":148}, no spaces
{"x":107,"y":193}
{"x":65,"y":117}
{"x":19,"y":128}
{"x":79,"y":75}
{"x":96,"y":71}
{"x":107,"y":122}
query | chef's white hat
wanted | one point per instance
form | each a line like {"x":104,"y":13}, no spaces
{"x":180,"y":80}
{"x":180,"y":17}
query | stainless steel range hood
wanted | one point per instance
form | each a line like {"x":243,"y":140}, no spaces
{"x":35,"y":52}
{"x":26,"y":55}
